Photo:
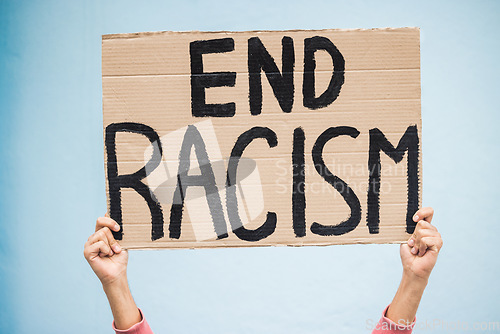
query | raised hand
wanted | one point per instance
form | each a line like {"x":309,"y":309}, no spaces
{"x":419,"y":254}
{"x":104,"y":254}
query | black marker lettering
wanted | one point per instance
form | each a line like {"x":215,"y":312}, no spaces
{"x":342,"y":187}
{"x":116,"y":182}
{"x":206,"y":179}
{"x":201,"y":80}
{"x":269,"y":225}
{"x":311,"y":45}
{"x":298,"y":188}
{"x":282,"y":84}
{"x":378,"y":142}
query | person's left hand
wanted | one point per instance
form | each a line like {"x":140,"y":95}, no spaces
{"x":419,"y":254}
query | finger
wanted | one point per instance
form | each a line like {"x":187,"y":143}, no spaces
{"x":422,"y":229}
{"x":414,"y":250}
{"x":423,"y":226}
{"x":413,"y":237}
{"x":424,"y":232}
{"x":424,"y":214}
{"x":424,"y":244}
{"x":432,"y":243}
{"x":95,"y":237}
{"x":426,"y":225}
{"x":422,"y":248}
{"x":106,"y":222}
{"x":111,"y":240}
{"x":411,"y":241}
{"x":101,"y":236}
{"x":96,"y":249}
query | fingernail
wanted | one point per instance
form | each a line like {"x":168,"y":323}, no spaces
{"x":415,"y":218}
{"x":414,"y":250}
{"x":116,"y":248}
{"x":411,"y":242}
{"x":116,"y":227}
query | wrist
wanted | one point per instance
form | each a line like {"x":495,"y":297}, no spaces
{"x":118,"y":283}
{"x":410,"y":279}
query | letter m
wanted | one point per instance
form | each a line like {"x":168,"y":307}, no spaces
{"x":378,"y":142}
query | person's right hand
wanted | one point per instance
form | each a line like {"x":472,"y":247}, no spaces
{"x":107,"y":259}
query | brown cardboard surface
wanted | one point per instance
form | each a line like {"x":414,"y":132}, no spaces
{"x":147,"y":79}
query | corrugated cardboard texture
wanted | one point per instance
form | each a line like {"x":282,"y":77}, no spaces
{"x":147,"y":79}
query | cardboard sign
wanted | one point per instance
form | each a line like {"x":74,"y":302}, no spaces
{"x":230,"y":139}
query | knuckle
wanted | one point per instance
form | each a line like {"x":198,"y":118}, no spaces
{"x":101,"y":233}
{"x":110,"y":237}
{"x":429,"y":233}
{"x":103,"y":245}
{"x":417,"y":228}
{"x":109,"y":234}
{"x":424,"y":225}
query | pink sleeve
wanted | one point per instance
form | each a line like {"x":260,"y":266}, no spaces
{"x":139,"y":328}
{"x":387,"y":326}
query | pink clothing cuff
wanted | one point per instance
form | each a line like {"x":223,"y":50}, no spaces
{"x":387,"y":326}
{"x":139,"y":328}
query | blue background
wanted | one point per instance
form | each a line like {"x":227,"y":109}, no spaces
{"x":52,"y":178}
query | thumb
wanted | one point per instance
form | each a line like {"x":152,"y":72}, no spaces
{"x":405,"y":249}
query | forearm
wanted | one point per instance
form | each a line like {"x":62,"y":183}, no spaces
{"x":405,"y":303}
{"x":125,"y":311}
